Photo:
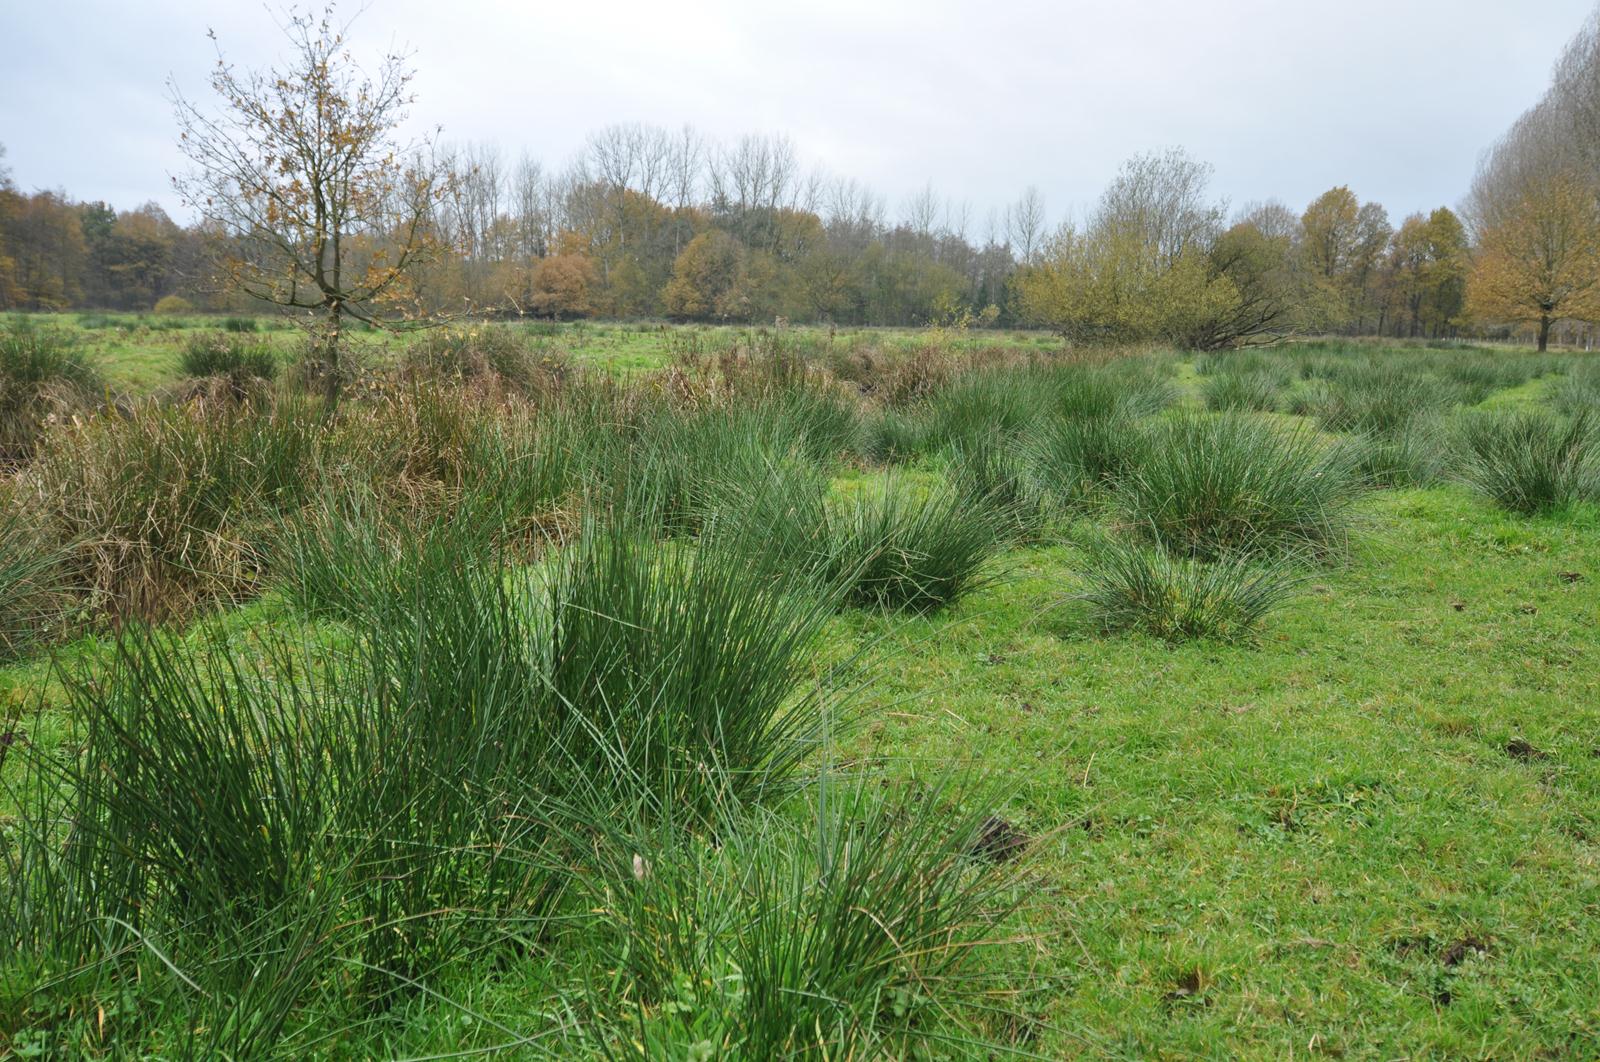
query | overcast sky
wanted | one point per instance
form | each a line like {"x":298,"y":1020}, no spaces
{"x":1286,"y":98}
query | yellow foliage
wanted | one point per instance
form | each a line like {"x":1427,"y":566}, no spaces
{"x":1541,"y":262}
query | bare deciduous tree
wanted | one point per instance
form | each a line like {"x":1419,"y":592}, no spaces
{"x":319,"y":204}
{"x":1025,"y":225}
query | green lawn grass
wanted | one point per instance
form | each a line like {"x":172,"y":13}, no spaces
{"x":1318,"y":843}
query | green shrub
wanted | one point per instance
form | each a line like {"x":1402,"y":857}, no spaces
{"x":1078,"y":436}
{"x":1530,"y":461}
{"x":534,"y":467}
{"x":43,"y":376}
{"x":173,"y":305}
{"x":1212,"y":485}
{"x":1135,"y":588}
{"x":240,"y":324}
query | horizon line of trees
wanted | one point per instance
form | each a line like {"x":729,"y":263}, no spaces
{"x":652,"y":223}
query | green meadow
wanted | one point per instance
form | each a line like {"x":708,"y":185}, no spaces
{"x":638,"y":691}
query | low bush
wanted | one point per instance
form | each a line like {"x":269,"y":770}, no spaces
{"x":820,"y":422}
{"x":1146,"y":589}
{"x":173,"y":306}
{"x":1530,"y":461}
{"x":1211,"y":485}
{"x":416,"y":445}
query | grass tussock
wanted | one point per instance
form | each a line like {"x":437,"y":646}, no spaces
{"x":31,"y":595}
{"x":908,"y":547}
{"x":1530,"y":461}
{"x":487,"y":353}
{"x":1578,"y":390}
{"x":577,"y":766}
{"x":858,"y":932}
{"x":234,"y":354}
{"x":1074,"y":460}
{"x":1147,"y":589}
{"x":44,"y":378}
{"x":165,"y":507}
{"x":1212,"y":485}
{"x":1415,"y":455}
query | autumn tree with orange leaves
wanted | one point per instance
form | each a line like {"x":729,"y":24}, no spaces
{"x":1539,"y":263}
{"x":315,"y":201}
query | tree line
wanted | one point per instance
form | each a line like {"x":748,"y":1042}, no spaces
{"x":652,"y":224}
{"x":57,"y":254}
{"x":306,"y":199}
